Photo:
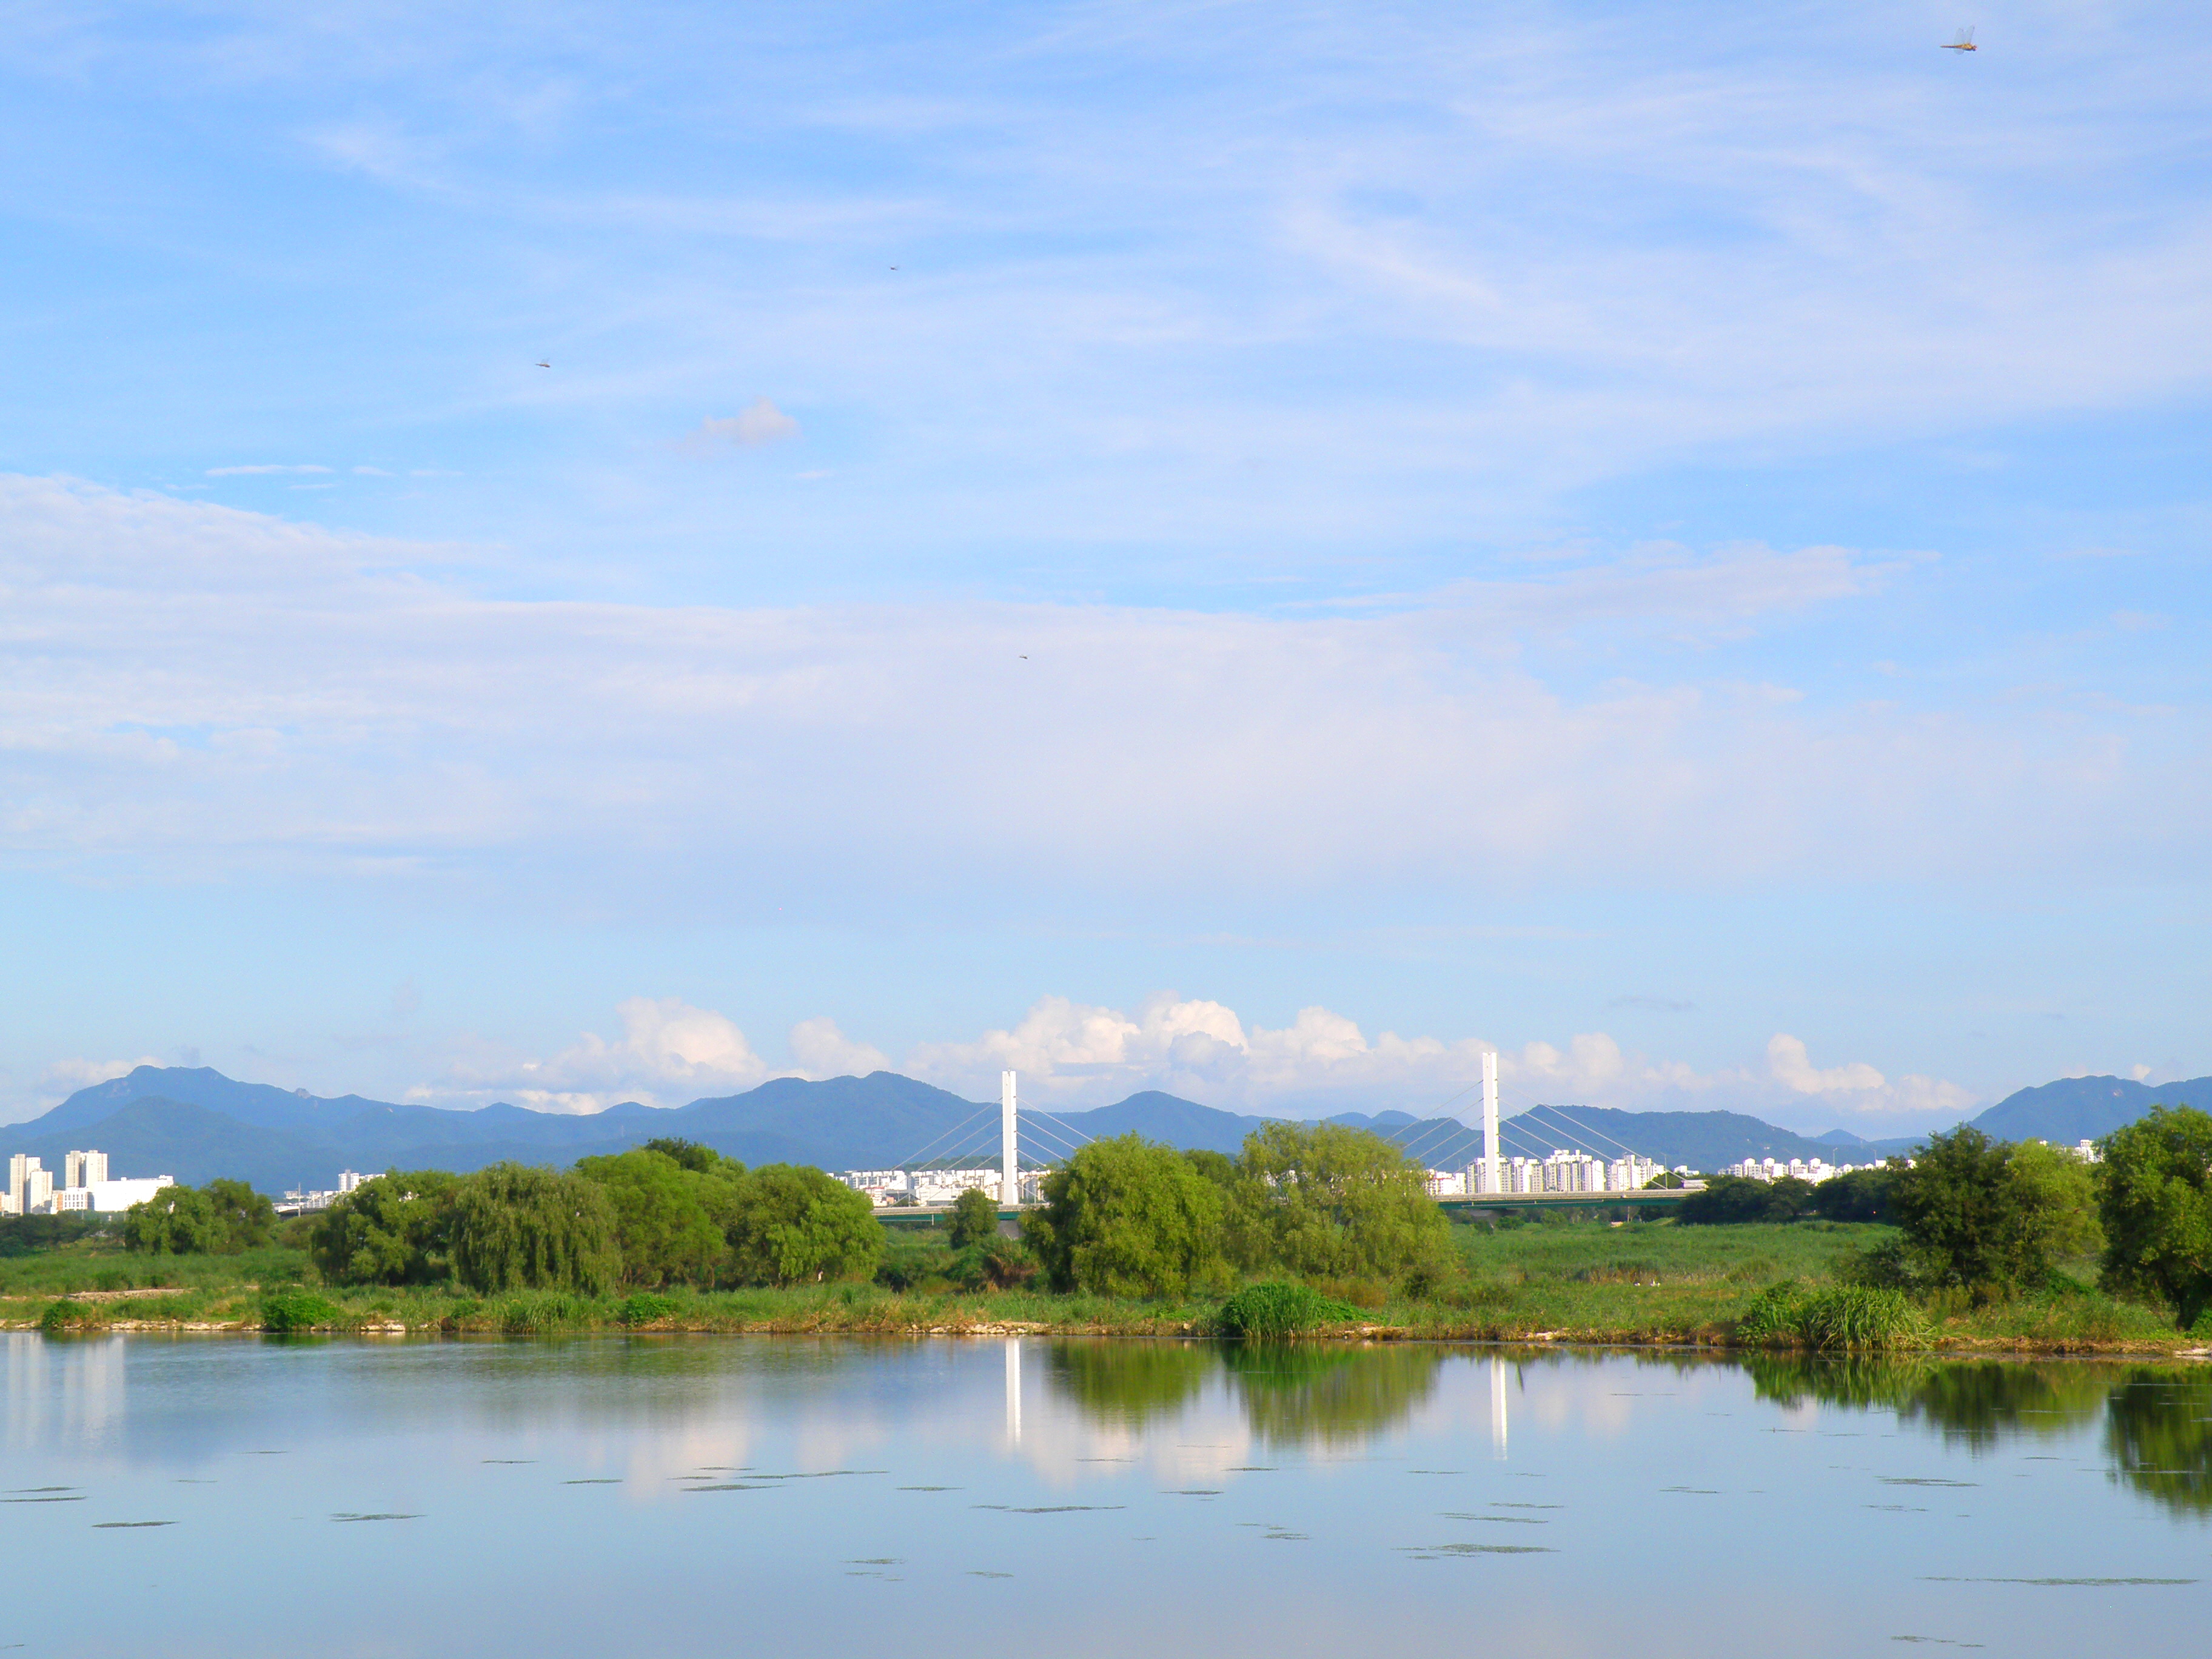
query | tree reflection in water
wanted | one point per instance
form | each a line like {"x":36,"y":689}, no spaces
{"x":2158,"y":1430}
{"x":1130,"y":1384}
{"x":1291,"y":1393}
{"x":1295,"y":1393}
{"x":2158,"y":1423}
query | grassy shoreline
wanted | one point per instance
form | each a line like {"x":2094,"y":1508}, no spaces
{"x":1645,"y":1284}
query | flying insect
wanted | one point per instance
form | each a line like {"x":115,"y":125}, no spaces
{"x":1964,"y":43}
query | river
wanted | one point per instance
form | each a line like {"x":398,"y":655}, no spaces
{"x":773,"y":1495}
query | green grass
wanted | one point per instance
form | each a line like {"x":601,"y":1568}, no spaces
{"x":1571,"y":1281}
{"x":1274,"y":1310}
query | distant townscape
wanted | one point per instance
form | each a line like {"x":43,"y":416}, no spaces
{"x":85,"y":1186}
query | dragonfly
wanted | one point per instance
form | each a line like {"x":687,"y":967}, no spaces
{"x":1964,"y":43}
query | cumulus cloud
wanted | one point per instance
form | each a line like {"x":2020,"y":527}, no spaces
{"x":1078,"y":1055}
{"x":758,"y":423}
{"x":1074,"y":1056}
{"x":819,"y":1049}
{"x":669,"y":1053}
{"x":1787,"y":1059}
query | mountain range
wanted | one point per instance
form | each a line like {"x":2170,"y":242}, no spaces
{"x":195,"y":1123}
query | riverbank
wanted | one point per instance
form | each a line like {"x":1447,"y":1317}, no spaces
{"x":1643,"y":1284}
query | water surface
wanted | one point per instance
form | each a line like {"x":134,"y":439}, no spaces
{"x":678,"y":1495}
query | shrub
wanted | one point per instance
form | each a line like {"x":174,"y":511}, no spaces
{"x":296,"y":1310}
{"x":646,"y":1308}
{"x":63,"y":1317}
{"x":1273,"y":1311}
{"x":1772,"y":1317}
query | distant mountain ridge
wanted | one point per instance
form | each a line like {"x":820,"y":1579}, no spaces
{"x":195,"y":1123}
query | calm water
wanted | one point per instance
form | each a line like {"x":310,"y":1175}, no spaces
{"x":772,"y":1495}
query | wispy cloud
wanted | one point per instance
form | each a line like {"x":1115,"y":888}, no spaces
{"x":258,"y":468}
{"x":352,"y":713}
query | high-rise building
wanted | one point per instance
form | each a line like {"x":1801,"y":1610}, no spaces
{"x":83,"y":1169}
{"x":20,"y":1169}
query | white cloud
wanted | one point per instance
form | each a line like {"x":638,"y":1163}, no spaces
{"x":1787,"y":1059}
{"x":759,"y":423}
{"x":251,"y":472}
{"x":669,"y":1053}
{"x":356,"y":718}
{"x":819,"y":1049}
{"x":1075,"y":1055}
{"x":66,"y":1077}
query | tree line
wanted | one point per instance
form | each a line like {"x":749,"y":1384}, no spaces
{"x":668,"y":1213}
{"x":1991,"y":1219}
{"x":1134,"y":1218}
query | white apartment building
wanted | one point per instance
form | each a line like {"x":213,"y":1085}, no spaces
{"x":935,"y":1188}
{"x":1814,"y":1170}
{"x":31,"y":1189}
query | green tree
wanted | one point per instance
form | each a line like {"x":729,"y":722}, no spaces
{"x":2059,"y":1191}
{"x":1982,"y":1215}
{"x":244,"y":1217}
{"x":975,"y":1218}
{"x":1732,"y":1200}
{"x":665,"y":1220}
{"x":2156,"y":1203}
{"x":395,"y":1229}
{"x":175,"y":1221}
{"x":518,"y":1227}
{"x":220,"y":1218}
{"x":791,"y":1224}
{"x":701,"y":1160}
{"x":1862,"y":1196}
{"x":1326,"y":1200}
{"x":1128,"y":1217}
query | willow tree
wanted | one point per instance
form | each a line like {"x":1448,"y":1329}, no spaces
{"x":1325,"y":1201}
{"x":517,"y":1227}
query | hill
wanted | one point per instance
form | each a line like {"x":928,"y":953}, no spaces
{"x":195,"y":1123}
{"x":2084,"y":1107}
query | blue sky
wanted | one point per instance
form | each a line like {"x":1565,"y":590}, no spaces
{"x":1256,"y":551}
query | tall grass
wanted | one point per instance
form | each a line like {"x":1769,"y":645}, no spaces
{"x":1272,"y":1311}
{"x":1832,"y":1319}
